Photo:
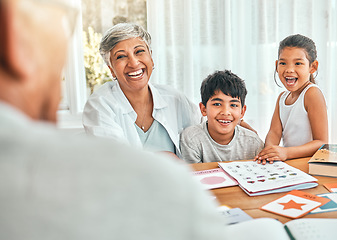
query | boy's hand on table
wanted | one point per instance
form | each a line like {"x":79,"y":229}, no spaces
{"x":271,"y":154}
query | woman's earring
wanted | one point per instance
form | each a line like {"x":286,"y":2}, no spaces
{"x":153,"y":67}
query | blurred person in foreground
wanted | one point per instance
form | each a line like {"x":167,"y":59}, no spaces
{"x":57,"y":187}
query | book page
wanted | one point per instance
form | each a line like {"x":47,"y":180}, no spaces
{"x":313,"y":228}
{"x":214,"y":178}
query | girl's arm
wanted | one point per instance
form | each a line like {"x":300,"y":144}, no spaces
{"x":275,"y":132}
{"x":273,"y":137}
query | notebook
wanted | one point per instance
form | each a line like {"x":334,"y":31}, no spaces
{"x":268,"y":228}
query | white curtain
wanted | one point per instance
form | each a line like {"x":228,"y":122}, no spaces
{"x":193,"y":38}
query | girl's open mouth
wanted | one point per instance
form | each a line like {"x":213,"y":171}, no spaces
{"x":291,"y":81}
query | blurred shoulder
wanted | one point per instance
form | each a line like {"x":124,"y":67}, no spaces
{"x":96,"y":152}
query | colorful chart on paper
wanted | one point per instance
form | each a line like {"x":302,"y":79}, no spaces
{"x":257,"y":177}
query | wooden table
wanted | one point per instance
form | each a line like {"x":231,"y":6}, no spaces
{"x":236,"y":197}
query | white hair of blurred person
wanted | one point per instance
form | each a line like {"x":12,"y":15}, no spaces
{"x":36,"y":54}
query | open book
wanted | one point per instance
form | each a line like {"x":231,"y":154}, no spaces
{"x":299,"y":229}
{"x":257,"y":179}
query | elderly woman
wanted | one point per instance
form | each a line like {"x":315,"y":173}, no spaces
{"x":131,"y":109}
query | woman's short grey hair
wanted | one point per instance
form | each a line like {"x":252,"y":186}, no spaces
{"x":118,"y":33}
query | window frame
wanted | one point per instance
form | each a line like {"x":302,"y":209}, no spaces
{"x":75,"y":80}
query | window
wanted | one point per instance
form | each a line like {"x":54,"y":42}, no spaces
{"x":191,"y":39}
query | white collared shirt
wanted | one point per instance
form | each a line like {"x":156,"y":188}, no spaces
{"x":108,"y":113}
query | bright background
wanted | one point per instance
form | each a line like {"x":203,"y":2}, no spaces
{"x":193,"y":38}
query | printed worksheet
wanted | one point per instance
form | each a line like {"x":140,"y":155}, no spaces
{"x":258,"y":179}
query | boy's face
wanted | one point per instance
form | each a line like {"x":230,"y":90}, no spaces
{"x":223,"y":113}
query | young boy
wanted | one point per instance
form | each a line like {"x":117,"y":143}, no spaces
{"x":220,"y":138}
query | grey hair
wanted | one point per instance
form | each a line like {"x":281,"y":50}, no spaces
{"x":118,"y":33}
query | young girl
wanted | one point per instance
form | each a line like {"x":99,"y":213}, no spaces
{"x":300,"y":117}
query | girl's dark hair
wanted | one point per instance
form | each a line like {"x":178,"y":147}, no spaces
{"x":226,"y":82}
{"x":300,"y":41}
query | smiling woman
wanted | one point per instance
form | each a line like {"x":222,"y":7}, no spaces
{"x":130,"y":109}
{"x":85,"y":71}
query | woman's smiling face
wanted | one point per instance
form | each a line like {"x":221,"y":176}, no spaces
{"x":131,"y":64}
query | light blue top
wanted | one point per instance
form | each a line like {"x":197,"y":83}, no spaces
{"x":156,"y":138}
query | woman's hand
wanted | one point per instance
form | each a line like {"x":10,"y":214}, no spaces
{"x":271,"y":153}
